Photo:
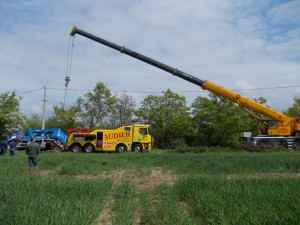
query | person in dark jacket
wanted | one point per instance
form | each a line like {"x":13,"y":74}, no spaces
{"x":12,"y":148}
{"x":32,"y":150}
{"x":3,"y":147}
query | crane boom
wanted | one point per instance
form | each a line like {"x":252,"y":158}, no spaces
{"x":286,"y":125}
{"x":138,"y":56}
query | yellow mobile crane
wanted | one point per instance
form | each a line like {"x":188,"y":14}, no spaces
{"x":280,"y":128}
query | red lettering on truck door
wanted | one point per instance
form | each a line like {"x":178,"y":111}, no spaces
{"x":108,"y":136}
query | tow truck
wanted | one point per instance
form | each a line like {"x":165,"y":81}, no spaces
{"x":135,"y":138}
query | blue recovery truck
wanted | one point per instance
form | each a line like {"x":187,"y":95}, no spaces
{"x":21,"y":137}
{"x":14,"y":135}
{"x":48,"y":139}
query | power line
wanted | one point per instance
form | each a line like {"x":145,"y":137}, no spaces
{"x":148,"y":92}
{"x":254,"y":89}
{"x":26,"y":92}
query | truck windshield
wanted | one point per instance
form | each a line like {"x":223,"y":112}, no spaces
{"x":144,"y":131}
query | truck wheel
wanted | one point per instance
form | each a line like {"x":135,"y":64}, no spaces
{"x":89,"y":148}
{"x":137,"y":148}
{"x":121,"y":148}
{"x":76,"y":148}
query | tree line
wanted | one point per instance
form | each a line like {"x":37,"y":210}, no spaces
{"x":208,"y":121}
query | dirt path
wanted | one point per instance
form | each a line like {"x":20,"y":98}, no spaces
{"x":147,"y":182}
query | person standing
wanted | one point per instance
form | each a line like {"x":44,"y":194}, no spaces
{"x":3,"y":147}
{"x":32,"y":150}
{"x":12,"y":148}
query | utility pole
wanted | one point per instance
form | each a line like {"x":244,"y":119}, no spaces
{"x":44,"y":108}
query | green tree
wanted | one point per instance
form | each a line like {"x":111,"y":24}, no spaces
{"x":294,"y":110}
{"x":169,"y":118}
{"x":9,"y":102}
{"x":122,"y":110}
{"x":65,"y":117}
{"x":96,"y":107}
{"x":34,"y":121}
{"x":15,"y":121}
{"x":260,"y":100}
{"x":218,"y":121}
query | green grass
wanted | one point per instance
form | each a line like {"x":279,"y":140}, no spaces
{"x":124,"y":204}
{"x":241,"y":201}
{"x":208,"y":188}
{"x":167,"y":208}
{"x":38,"y":200}
{"x":189,"y":163}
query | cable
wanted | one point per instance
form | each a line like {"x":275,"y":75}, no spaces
{"x":145,"y":92}
{"x":68,"y":69}
{"x":26,"y":92}
{"x":254,"y":89}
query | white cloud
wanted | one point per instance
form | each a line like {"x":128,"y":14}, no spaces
{"x":243,"y":84}
{"x":232,"y":43}
{"x":36,"y":109}
{"x":296,"y":92}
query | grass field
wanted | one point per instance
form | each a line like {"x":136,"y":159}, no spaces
{"x":156,"y":188}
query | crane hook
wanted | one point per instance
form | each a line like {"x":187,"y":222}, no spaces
{"x":67,"y":80}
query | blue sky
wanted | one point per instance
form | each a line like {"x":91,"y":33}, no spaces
{"x":251,"y":46}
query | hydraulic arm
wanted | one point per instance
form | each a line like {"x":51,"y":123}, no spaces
{"x":286,"y":125}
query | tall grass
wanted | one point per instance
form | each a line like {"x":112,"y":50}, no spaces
{"x":163,"y":207}
{"x":212,"y":188}
{"x":125,"y":205}
{"x":242,"y":201}
{"x":38,"y":200}
{"x":188,"y":163}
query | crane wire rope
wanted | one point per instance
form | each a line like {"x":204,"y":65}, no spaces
{"x":69,"y":66}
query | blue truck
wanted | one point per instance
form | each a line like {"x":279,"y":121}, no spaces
{"x":48,"y":139}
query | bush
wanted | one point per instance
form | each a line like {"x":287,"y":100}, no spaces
{"x":200,"y":149}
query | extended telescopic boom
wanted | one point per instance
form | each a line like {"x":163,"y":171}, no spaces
{"x":286,"y":124}
{"x":138,"y":56}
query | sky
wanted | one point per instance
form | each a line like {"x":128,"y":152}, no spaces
{"x":249,"y":46}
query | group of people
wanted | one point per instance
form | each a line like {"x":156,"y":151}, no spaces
{"x":11,"y":145}
{"x":32,"y":151}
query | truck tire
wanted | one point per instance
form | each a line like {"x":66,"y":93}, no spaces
{"x":75,"y":148}
{"x":137,"y":148}
{"x":88,"y":148}
{"x":121,"y":148}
